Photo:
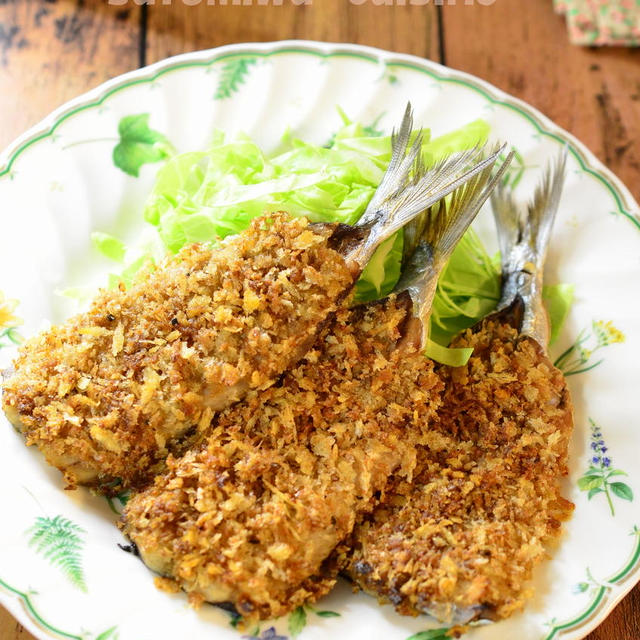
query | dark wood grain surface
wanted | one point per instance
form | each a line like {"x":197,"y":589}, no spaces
{"x":52,"y":50}
{"x":521,"y":47}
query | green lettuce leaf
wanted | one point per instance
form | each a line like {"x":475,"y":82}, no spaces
{"x":206,"y":195}
{"x":200,"y":196}
{"x":468,"y":289}
{"x":447,"y":355}
{"x":382,"y":272}
{"x":109,"y":246}
{"x":473,"y":134}
{"x":558,"y":299}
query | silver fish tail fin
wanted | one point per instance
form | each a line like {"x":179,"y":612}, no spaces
{"x":400,"y":140}
{"x":431,"y":237}
{"x":523,"y":235}
{"x":407,"y":189}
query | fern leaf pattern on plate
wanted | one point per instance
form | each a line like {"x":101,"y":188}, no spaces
{"x":590,"y":584}
{"x":60,"y":541}
{"x":298,"y":618}
{"x":514,"y":174}
{"x":234,"y":74}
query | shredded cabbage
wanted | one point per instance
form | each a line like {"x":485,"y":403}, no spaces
{"x":469,"y":288}
{"x":199,"y":196}
{"x":205,"y":195}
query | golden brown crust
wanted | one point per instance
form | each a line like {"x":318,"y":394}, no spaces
{"x":108,"y":393}
{"x":465,"y":537}
{"x":251,"y":517}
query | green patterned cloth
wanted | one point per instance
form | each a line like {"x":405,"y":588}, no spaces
{"x":602,"y":22}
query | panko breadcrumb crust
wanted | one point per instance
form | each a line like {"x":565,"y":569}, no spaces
{"x":109,"y":393}
{"x":252,"y":516}
{"x":464,"y":537}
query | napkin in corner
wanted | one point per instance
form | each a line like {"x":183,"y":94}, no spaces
{"x":602,"y":22}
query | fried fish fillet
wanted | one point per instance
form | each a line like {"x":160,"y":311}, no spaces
{"x":462,"y":539}
{"x":251,"y":516}
{"x":109,"y":393}
{"x":104,"y":394}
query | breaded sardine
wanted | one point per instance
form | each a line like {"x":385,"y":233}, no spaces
{"x":460,"y":542}
{"x":110,"y":392}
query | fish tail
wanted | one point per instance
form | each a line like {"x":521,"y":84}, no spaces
{"x":431,"y":237}
{"x":523,"y":235}
{"x":529,"y":228}
{"x":397,"y":173}
{"x":407,"y":189}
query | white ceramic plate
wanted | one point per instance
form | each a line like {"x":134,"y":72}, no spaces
{"x":58,"y":183}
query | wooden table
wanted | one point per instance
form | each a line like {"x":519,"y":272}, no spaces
{"x":53,"y":50}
